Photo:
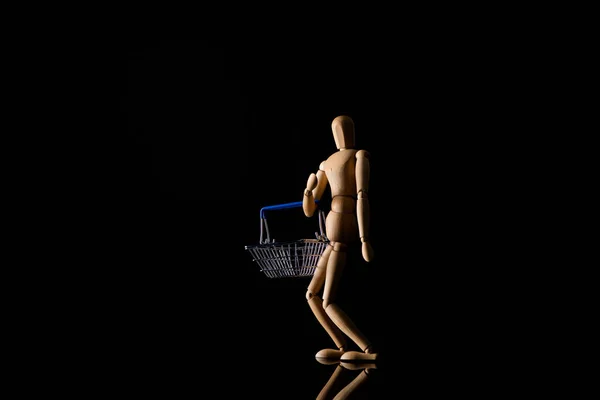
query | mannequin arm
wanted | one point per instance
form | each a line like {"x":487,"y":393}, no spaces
{"x":315,"y":186}
{"x":362,"y":204}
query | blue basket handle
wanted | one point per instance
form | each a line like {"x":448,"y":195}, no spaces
{"x":265,"y":226}
{"x":281,"y":207}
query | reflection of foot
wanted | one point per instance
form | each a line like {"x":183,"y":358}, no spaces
{"x":358,"y":356}
{"x":326,"y":355}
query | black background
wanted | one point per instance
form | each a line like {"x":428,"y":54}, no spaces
{"x":215,"y":130}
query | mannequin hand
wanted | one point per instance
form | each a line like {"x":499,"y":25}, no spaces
{"x":367,"y":251}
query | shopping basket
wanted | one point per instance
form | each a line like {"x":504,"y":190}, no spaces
{"x":288,"y":259}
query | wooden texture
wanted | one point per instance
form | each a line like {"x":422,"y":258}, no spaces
{"x":347,"y":173}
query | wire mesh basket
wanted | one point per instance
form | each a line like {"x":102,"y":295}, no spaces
{"x":289,"y":259}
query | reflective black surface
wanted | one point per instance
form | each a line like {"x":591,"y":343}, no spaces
{"x":215,"y":130}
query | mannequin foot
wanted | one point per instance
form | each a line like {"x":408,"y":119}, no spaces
{"x":327,"y":361}
{"x":358,"y":365}
{"x":329,"y":354}
{"x":358,"y":356}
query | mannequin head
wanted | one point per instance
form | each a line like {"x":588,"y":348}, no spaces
{"x":343,"y":132}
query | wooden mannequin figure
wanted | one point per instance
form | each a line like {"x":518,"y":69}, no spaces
{"x":347,"y":173}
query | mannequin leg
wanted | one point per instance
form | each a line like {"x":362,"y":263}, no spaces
{"x":316,"y":305}
{"x":335,"y":267}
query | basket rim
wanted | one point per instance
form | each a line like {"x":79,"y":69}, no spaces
{"x":272,"y":244}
